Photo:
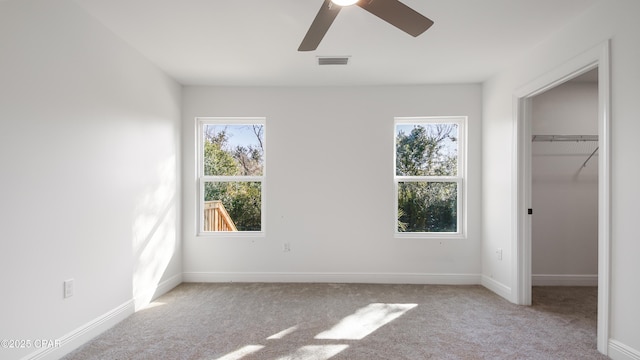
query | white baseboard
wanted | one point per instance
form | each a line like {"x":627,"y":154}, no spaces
{"x":168,"y":285}
{"x":144,"y":297}
{"x":620,"y":351}
{"x":81,"y":335}
{"x":497,"y":287}
{"x":564,"y":280}
{"x":366,"y":278}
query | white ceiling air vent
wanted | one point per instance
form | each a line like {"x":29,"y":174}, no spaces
{"x":333,"y":60}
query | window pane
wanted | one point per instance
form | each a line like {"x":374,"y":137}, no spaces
{"x":427,"y":207}
{"x":232,"y":150}
{"x":427,"y":149}
{"x":232,"y":206}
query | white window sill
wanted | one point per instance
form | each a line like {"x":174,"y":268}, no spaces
{"x":429,"y":236}
{"x":232,"y":234}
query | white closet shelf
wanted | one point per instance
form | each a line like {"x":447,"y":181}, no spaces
{"x":564,"y":138}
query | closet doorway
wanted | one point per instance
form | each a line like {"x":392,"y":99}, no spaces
{"x":598,"y":58}
{"x":564,"y":184}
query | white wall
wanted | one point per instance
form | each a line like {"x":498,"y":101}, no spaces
{"x":564,"y":225}
{"x":615,"y":19}
{"x":89,"y":169}
{"x":330,"y":187}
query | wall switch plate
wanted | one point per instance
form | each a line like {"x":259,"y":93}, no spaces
{"x":68,"y":288}
{"x":499,"y":254}
{"x":286,"y":247}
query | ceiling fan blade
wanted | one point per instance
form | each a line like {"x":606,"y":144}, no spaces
{"x":397,"y":14}
{"x":320,"y":26}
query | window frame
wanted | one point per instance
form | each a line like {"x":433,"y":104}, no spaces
{"x":460,"y":179}
{"x":202,"y":178}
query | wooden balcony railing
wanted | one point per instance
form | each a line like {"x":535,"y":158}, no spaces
{"x":216,"y":217}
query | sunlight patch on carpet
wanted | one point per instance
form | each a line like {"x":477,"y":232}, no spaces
{"x":365,"y":321}
{"x":315,"y":352}
{"x":154,"y":304}
{"x":283,"y":333}
{"x":242,"y":352}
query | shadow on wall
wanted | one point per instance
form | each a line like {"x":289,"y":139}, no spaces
{"x":154,"y":234}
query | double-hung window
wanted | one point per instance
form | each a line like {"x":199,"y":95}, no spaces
{"x":231,"y":175}
{"x":429,"y":176}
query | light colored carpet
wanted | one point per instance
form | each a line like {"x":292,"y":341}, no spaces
{"x":353,"y":321}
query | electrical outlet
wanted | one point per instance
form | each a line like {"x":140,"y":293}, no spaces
{"x":499,"y":254}
{"x":68,"y":288}
{"x":286,"y":247}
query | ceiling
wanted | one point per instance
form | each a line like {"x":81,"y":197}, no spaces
{"x":255,"y":42}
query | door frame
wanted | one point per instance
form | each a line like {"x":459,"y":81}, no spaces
{"x":597,"y":57}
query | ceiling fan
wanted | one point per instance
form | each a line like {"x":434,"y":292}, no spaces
{"x":392,"y":11}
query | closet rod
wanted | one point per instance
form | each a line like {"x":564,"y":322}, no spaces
{"x":564,"y":138}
